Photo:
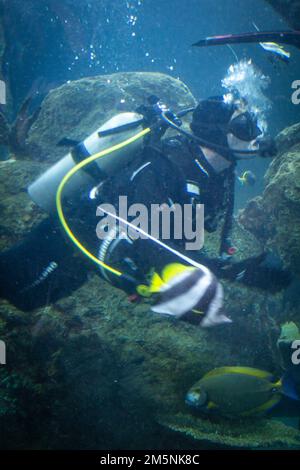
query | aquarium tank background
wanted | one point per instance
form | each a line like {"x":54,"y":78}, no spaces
{"x":92,"y":366}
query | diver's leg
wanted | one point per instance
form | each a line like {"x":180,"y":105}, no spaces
{"x":40,"y":269}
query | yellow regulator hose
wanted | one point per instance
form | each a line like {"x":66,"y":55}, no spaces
{"x":69,"y":175}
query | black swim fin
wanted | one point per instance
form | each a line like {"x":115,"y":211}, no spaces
{"x":65,"y":142}
{"x":282,"y":37}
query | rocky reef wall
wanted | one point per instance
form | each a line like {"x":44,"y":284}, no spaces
{"x":274,"y":217}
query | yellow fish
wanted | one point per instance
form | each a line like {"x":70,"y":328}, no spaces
{"x":236,"y":391}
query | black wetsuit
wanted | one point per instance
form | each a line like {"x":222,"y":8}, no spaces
{"x":45,"y":266}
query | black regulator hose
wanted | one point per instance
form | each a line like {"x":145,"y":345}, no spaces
{"x":205,"y":143}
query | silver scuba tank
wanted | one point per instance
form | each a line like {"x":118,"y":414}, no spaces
{"x":43,"y":190}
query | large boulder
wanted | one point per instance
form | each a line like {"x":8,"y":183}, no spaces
{"x":18,"y":212}
{"x":274,"y":217}
{"x":76,"y":109}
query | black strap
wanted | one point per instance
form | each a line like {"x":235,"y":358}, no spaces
{"x":79,"y":153}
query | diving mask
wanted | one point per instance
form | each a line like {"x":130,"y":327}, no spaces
{"x":244,"y":126}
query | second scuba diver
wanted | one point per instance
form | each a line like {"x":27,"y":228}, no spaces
{"x":189,"y":168}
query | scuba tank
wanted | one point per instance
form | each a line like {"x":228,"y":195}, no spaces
{"x":117,"y":129}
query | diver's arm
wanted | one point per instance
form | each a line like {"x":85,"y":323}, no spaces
{"x":263,"y":271}
{"x":267,"y":147}
{"x":41,"y":269}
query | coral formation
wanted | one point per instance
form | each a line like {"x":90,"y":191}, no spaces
{"x":255,"y":434}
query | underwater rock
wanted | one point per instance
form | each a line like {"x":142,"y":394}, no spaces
{"x":274,"y":217}
{"x":78,"y":108}
{"x":289,"y":10}
{"x":18,"y":212}
{"x":252,"y":218}
{"x":286,"y":139}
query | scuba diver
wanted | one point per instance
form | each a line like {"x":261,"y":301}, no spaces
{"x":188,"y":168}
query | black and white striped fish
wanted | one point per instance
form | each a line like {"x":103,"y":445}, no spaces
{"x":189,"y":293}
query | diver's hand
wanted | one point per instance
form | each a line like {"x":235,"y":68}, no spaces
{"x":216,"y":265}
{"x":267,"y":147}
{"x":264,"y":271}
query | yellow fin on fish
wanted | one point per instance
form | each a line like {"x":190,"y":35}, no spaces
{"x":211,"y":405}
{"x":156,"y":284}
{"x":264,"y":407}
{"x":173,"y":269}
{"x":143,"y":290}
{"x":278,"y":384}
{"x":240,"y":370}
